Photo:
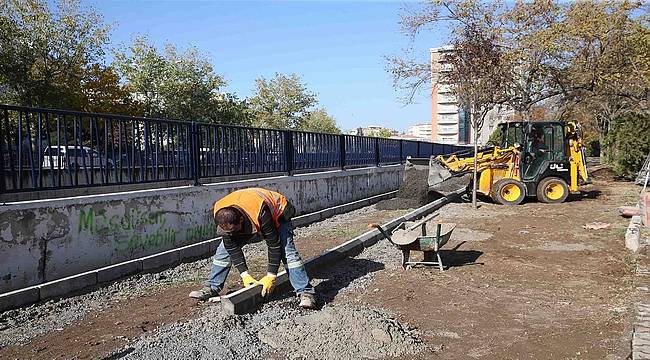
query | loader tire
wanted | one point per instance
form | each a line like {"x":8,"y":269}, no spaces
{"x":508,"y":192}
{"x":552,"y":190}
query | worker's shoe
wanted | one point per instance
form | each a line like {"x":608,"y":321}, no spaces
{"x":307,"y":301}
{"x":204,"y":294}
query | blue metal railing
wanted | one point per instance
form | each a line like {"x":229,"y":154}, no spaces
{"x":52,"y":149}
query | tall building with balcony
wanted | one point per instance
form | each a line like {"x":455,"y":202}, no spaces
{"x":449,"y":123}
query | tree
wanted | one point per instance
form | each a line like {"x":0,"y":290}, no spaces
{"x":177,"y":85}
{"x":319,"y":121}
{"x":282,"y":102}
{"x":101,"y":92}
{"x":629,"y":140}
{"x":382,"y":133}
{"x":476,"y":79}
{"x":575,"y":55}
{"x":47,"y":57}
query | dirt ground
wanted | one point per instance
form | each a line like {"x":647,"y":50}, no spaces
{"x":524,"y":282}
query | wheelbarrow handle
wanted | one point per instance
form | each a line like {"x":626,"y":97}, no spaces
{"x":383,"y":232}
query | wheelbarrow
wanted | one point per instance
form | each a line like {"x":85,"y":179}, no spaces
{"x":414,"y":236}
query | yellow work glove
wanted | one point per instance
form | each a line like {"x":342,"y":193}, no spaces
{"x":268,"y":283}
{"x":247,"y":279}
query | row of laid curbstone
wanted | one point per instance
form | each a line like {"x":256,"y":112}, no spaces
{"x":87,"y":281}
{"x":249,"y":299}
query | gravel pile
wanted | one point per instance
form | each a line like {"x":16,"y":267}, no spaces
{"x":215,"y":335}
{"x":341,"y":332}
{"x":337,"y":331}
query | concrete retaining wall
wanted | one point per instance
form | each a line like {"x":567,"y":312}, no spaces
{"x":47,"y":240}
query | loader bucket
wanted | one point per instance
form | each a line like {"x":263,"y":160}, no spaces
{"x":442,"y":182}
{"x":438,"y":173}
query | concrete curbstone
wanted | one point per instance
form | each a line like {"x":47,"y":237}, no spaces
{"x":117,"y":271}
{"x":18,"y":298}
{"x":242,"y":301}
{"x":350,"y":248}
{"x":194,"y":251}
{"x":160,"y":260}
{"x":303,"y":220}
{"x":65,"y":286}
{"x":326,"y":258}
{"x":214,"y":244}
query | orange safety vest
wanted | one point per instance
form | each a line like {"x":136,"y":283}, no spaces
{"x":250,"y":202}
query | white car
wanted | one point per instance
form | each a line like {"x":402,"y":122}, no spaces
{"x":63,"y":157}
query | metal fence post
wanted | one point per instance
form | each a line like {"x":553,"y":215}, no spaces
{"x":3,"y":186}
{"x":194,"y":136}
{"x":377,"y":159}
{"x":342,"y":151}
{"x":418,"y":152}
{"x":288,"y":150}
{"x":401,"y":150}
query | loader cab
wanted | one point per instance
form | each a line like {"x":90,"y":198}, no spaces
{"x":543,"y":151}
{"x":511,"y":134}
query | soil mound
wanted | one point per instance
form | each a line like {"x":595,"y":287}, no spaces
{"x":412,"y":192}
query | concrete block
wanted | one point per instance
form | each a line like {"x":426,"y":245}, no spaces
{"x":306,"y":219}
{"x":68,"y":285}
{"x":19,"y":298}
{"x":350,"y":248}
{"x":118,"y":271}
{"x":214,"y":244}
{"x":632,"y":237}
{"x":327,"y":258}
{"x":282,"y":283}
{"x":195,"y":251}
{"x":161,"y":260}
{"x":242,"y":301}
{"x":389,"y":226}
{"x":371,"y":237}
{"x":327,"y":213}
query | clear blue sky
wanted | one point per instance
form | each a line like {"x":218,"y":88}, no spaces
{"x":336,"y":47}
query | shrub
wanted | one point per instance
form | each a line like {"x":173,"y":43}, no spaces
{"x":628,"y":144}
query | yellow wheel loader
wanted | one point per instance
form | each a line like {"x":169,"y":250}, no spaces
{"x":543,"y":159}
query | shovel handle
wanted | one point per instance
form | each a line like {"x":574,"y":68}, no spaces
{"x":382,"y":231}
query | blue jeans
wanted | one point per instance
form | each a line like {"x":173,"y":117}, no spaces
{"x":290,"y":258}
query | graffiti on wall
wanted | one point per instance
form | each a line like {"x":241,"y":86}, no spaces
{"x":137,"y":229}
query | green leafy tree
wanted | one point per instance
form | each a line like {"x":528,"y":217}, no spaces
{"x":282,"y":102}
{"x":320,"y":121}
{"x":177,"y":85}
{"x":629,"y":141}
{"x":49,"y":56}
{"x":383,"y":133}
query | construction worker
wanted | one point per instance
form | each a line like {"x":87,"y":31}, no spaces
{"x":243,"y":217}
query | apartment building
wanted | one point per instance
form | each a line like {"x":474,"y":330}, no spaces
{"x":421,"y":131}
{"x":449,"y":123}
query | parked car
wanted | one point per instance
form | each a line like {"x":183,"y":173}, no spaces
{"x":63,"y":157}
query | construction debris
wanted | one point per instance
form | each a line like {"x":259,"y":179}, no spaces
{"x":596,"y":225}
{"x":628,"y":211}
